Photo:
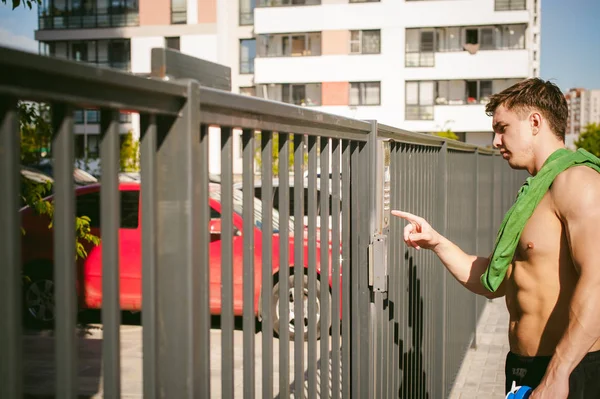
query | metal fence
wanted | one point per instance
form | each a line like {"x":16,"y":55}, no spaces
{"x":392,"y":324}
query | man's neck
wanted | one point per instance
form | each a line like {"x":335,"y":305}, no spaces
{"x":543,"y":153}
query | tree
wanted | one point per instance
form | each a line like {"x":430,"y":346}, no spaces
{"x":449,"y":134}
{"x":36,"y":136}
{"x":130,"y":154}
{"x":26,"y":3}
{"x":275,"y":153}
{"x":590,"y":139}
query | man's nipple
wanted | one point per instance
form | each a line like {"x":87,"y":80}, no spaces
{"x":529,"y":245}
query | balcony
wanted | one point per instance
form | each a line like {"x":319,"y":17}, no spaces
{"x":89,"y":21}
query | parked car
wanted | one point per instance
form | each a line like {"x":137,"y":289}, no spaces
{"x":80,"y":176}
{"x":38,"y":263}
{"x":258,"y":187}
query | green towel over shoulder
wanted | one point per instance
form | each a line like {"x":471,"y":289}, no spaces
{"x":528,"y":198}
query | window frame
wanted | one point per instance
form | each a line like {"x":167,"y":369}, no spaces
{"x":510,"y":5}
{"x":418,"y":106}
{"x":250,"y":61}
{"x":262,"y":44}
{"x":361,"y":43}
{"x":362,"y":88}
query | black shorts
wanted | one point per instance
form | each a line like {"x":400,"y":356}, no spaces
{"x":584,"y":382}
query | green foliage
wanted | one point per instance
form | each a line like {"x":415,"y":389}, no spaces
{"x":589,"y":140}
{"x":449,"y":134}
{"x":36,"y":132}
{"x":26,"y":3}
{"x":275,"y":153}
{"x":130,"y":154}
{"x":36,"y":136}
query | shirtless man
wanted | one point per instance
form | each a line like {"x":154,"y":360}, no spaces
{"x":552,"y":286}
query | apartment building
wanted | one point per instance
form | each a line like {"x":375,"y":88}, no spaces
{"x":425,"y":66}
{"x":584,"y":108}
{"x":420,"y":65}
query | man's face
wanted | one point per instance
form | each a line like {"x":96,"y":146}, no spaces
{"x":513,"y":137}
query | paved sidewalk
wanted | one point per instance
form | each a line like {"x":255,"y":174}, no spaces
{"x":482,"y":372}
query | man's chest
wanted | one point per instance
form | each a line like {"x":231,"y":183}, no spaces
{"x":542,"y":235}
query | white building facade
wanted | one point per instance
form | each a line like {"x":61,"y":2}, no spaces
{"x":423,"y":66}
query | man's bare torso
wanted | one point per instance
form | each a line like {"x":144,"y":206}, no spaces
{"x":540,"y":284}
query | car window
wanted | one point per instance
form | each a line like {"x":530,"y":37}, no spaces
{"x":89,"y":205}
{"x":130,"y":209}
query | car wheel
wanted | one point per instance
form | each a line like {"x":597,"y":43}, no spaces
{"x":295,"y":323}
{"x":38,"y":300}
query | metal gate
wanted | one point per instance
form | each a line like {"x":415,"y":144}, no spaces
{"x":357,"y":314}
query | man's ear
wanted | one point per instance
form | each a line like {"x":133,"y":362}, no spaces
{"x":535,"y":121}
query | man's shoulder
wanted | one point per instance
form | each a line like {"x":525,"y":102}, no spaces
{"x":578,"y":186}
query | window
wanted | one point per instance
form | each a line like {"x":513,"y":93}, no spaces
{"x":448,"y":39}
{"x":173,"y":42}
{"x":460,"y":92}
{"x":420,"y":45}
{"x":130,"y":206}
{"x":78,"y":14}
{"x":248,"y":91}
{"x":289,"y":45}
{"x":419,"y":101}
{"x":89,"y":205}
{"x":178,"y":12}
{"x":304,"y":94}
{"x":510,"y":5}
{"x":247,"y":55}
{"x":513,"y":37}
{"x":365,"y":93}
{"x":365,"y":42}
{"x":247,"y":12}
{"x":279,"y":3}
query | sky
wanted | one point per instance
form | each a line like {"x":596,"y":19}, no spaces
{"x":570,"y":39}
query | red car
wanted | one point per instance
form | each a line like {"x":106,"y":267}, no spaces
{"x":37,"y":255}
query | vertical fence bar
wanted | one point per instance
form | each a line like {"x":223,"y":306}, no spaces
{"x":267,"y":268}
{"x":394,"y":244}
{"x":227,"y":319}
{"x":109,"y":220}
{"x":442,"y":217}
{"x":249,"y":283}
{"x":365,"y":231}
{"x":373,"y":301}
{"x":64,"y":251}
{"x":355,"y":270}
{"x":202,"y":379}
{"x":178,"y":245}
{"x":412,"y":194}
{"x":284,"y":266}
{"x":324,"y":308}
{"x":298,"y":265}
{"x":11,"y":374}
{"x":346,"y":266}
{"x":335,"y":269}
{"x":312,"y":267}
{"x":148,"y":187}
{"x":476,"y":230}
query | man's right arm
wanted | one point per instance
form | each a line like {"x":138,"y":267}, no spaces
{"x":466,"y":269}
